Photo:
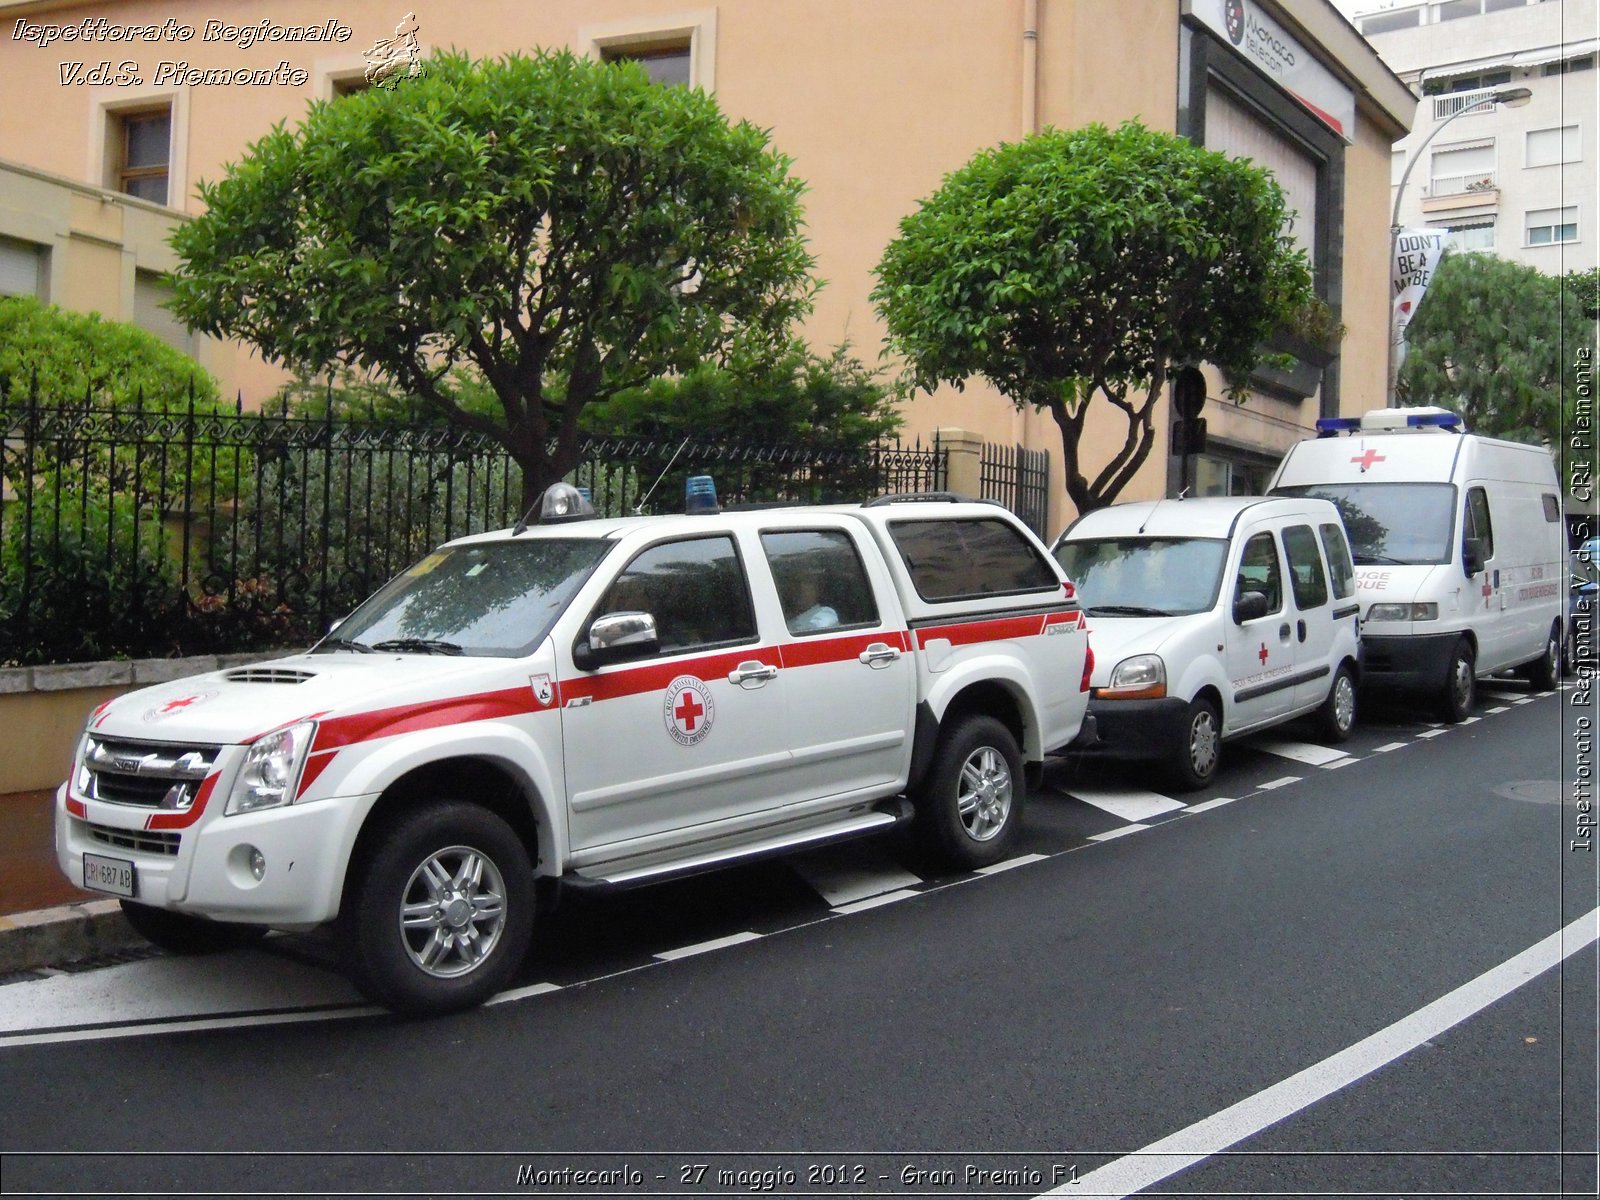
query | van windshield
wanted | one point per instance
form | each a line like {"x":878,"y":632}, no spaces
{"x":1390,"y":523}
{"x":1144,"y":577}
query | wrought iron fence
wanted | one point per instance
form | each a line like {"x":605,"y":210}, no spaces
{"x":165,"y":530}
{"x":1020,"y":479}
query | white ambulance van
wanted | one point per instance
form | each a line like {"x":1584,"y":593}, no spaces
{"x":1458,"y":547}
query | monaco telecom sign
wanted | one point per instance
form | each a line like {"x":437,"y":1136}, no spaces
{"x":1277,"y":54}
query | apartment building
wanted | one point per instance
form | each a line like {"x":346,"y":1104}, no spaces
{"x":1518,"y":179}
{"x":110,"y":113}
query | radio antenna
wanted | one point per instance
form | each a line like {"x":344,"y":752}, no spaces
{"x":638,"y":509}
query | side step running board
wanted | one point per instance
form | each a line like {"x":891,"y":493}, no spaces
{"x":655,"y":869}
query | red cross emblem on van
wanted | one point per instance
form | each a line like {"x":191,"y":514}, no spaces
{"x":688,"y":710}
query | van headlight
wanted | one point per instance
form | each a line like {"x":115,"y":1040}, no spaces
{"x":271,"y":769}
{"x":1142,"y":677}
{"x":1403,"y":612}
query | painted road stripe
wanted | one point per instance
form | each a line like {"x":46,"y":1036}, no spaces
{"x":1432,"y":733}
{"x":1343,"y":762}
{"x":1270,"y":785}
{"x":1526,"y":700}
{"x":1316,"y":756}
{"x":1499,"y":708}
{"x":1167,"y":1157}
{"x":521,"y":993}
{"x":1130,"y":804}
{"x":1471,"y":720}
{"x":241,"y":1021}
{"x":733,"y":939}
{"x":875,"y":901}
{"x":844,"y":878}
{"x":1391,"y":746}
{"x":1021,"y":860}
{"x":1209,"y":804}
{"x":1116,"y":833}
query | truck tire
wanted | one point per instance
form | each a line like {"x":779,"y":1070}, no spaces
{"x":180,"y":933}
{"x":1460,"y":684}
{"x":1544,"y":672}
{"x":439,"y":915}
{"x":1194,"y":760}
{"x":1337,"y":716}
{"x":970,"y":807}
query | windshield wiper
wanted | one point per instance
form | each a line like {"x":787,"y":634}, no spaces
{"x":418,"y":646}
{"x":1367,"y":560}
{"x":333,"y":643}
{"x":1125,"y":610}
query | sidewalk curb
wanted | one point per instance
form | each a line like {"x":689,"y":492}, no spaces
{"x":53,"y":937}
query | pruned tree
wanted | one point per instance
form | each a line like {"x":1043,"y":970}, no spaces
{"x":1078,"y":268}
{"x":556,"y":228}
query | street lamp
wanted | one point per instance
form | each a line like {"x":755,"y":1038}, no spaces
{"x":1509,"y":98}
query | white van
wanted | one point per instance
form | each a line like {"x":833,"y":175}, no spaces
{"x":1211,"y":618}
{"x":1458,"y":546}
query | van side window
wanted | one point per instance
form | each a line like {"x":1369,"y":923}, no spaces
{"x":1478,"y":524}
{"x":1305,"y":567}
{"x":821,"y":582}
{"x":1340,"y":567}
{"x":970,"y":558}
{"x":1258,"y":571}
{"x":1552,"y":508}
{"x":694,"y":588}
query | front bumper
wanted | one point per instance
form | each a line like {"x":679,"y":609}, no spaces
{"x":1407,"y":662}
{"x":204,"y":869}
{"x":1136,"y":729}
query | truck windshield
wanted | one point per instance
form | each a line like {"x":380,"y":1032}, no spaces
{"x":1390,"y":523}
{"x":1144,"y":577}
{"x":490,"y":599}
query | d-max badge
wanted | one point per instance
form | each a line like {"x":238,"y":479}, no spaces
{"x":689,"y":710}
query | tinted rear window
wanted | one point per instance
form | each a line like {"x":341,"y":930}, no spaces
{"x":957,"y":560}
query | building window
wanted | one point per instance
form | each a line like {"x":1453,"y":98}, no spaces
{"x":1452,"y":85}
{"x":1452,"y":10}
{"x":1386,"y":22}
{"x":1586,"y":63}
{"x":1547,"y":147}
{"x":1463,"y":167}
{"x":348,"y":85}
{"x":668,"y":63}
{"x":151,"y":293}
{"x":1467,"y":237}
{"x":24,"y":268}
{"x":144,"y":152}
{"x":1499,"y":5}
{"x":1548,"y":226}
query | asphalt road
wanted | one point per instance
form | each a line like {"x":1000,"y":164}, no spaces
{"x":1330,"y":977}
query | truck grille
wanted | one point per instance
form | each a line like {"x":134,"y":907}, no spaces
{"x":140,"y":840}
{"x":146,"y":774}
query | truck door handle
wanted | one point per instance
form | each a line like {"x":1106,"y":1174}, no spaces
{"x":752,"y":672}
{"x":1300,"y":628}
{"x":879,"y":655}
{"x":1283,"y":632}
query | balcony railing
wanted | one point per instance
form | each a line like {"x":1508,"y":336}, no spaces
{"x":1456,"y":185}
{"x":1449,"y":104}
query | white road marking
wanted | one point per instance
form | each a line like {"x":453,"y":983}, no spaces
{"x":845,"y":875}
{"x":235,"y":1021}
{"x":1471,"y":720}
{"x":1391,"y":746}
{"x":1527,"y":699}
{"x":1499,"y":708}
{"x":1343,"y":762}
{"x":1177,"y":1152}
{"x":1021,"y":860}
{"x":1130,"y":804}
{"x":1116,"y":833}
{"x":1270,"y":785}
{"x":733,"y":939}
{"x":875,"y":901}
{"x":1209,"y":804}
{"x":1432,"y":733}
{"x":521,"y":993}
{"x":1312,"y":755}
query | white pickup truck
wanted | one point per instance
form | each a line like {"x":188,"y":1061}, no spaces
{"x":591,"y":702}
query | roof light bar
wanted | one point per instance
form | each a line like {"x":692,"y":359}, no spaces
{"x":1334,"y":426}
{"x":1442,"y":420}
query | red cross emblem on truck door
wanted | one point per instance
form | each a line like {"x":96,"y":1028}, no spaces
{"x":688,"y":711}
{"x":1488,"y":589}
{"x":1367,"y":458}
{"x":1263,"y":654}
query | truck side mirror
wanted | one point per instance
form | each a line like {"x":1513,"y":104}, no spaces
{"x":1249,"y":606}
{"x":617,"y":637}
{"x":1471,"y":556}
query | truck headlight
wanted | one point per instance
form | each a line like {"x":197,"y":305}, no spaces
{"x":272,"y":769}
{"x":1403,"y":612}
{"x":1142,"y":677}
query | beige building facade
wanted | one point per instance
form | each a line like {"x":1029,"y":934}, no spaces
{"x":110,"y":114}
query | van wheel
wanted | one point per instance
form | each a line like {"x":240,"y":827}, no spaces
{"x":970,"y":808}
{"x":439,"y":915}
{"x":1194,"y":763}
{"x":1544,"y":672}
{"x":1337,"y":716}
{"x":1460,"y":684}
{"x":180,"y":933}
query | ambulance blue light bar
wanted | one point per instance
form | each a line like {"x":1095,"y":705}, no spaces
{"x":1441,"y":420}
{"x":1333,"y":426}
